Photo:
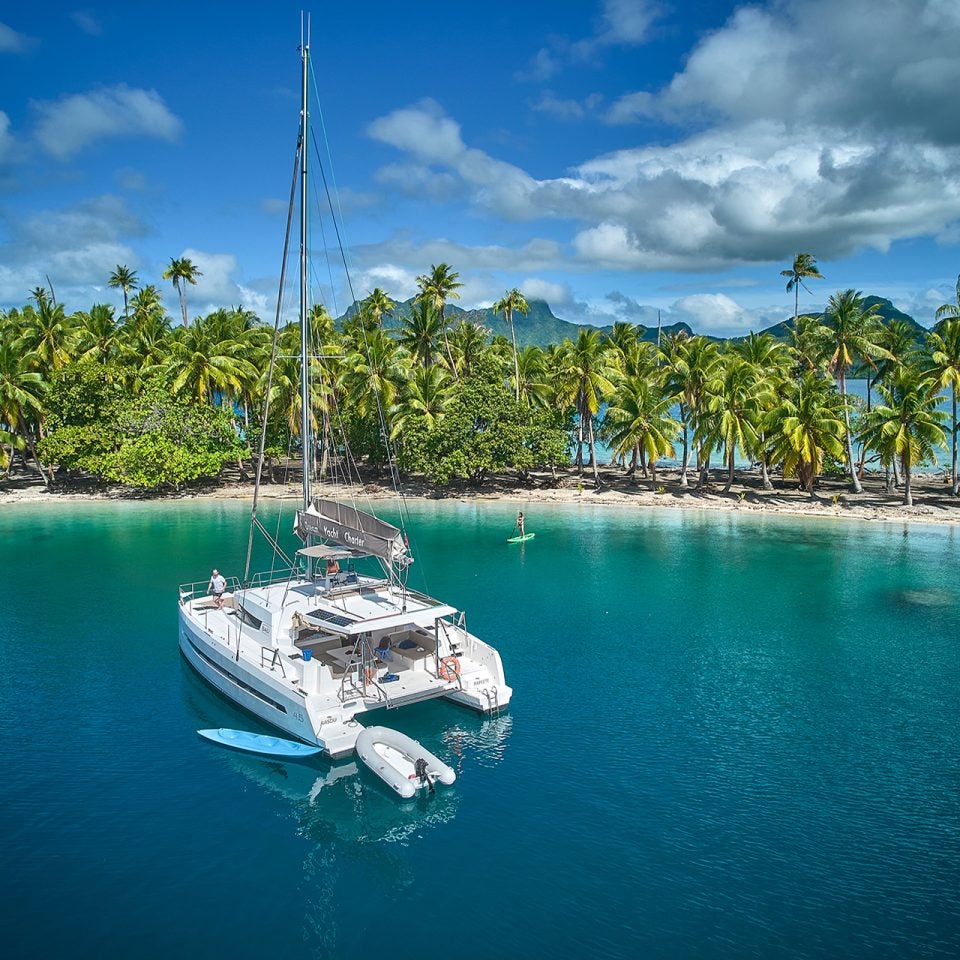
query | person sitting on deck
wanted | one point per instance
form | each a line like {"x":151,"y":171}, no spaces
{"x":333,"y":571}
{"x":383,"y":652}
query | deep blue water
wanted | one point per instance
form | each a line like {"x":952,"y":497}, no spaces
{"x":732,"y":736}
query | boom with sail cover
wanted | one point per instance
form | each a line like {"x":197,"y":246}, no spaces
{"x":361,"y":532}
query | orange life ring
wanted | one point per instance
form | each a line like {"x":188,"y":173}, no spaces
{"x":449,"y":669}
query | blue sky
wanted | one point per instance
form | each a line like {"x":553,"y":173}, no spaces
{"x":614,"y":157}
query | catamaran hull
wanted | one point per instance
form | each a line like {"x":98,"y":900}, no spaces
{"x":288,"y":708}
{"x":246,"y":688}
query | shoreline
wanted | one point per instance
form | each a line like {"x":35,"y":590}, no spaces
{"x":932,"y":500}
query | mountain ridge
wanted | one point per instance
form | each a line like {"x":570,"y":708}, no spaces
{"x":541,"y":327}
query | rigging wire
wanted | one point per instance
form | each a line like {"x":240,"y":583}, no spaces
{"x":273,"y":358}
{"x":382,"y":417}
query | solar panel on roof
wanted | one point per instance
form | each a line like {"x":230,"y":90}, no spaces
{"x":335,"y":618}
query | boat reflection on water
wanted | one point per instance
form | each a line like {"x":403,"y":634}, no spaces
{"x":356,"y":831}
{"x":342,"y":800}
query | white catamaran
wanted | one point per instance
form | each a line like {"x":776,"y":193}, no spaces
{"x":337,"y":633}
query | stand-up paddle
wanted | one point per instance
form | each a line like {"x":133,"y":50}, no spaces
{"x":521,"y":533}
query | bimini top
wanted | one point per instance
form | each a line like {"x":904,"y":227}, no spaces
{"x":362,"y":533}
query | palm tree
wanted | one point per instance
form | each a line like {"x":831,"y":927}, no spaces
{"x":437,"y":287}
{"x":944,"y":346}
{"x":378,"y":304}
{"x":771,"y":363}
{"x":805,"y":426}
{"x":584,"y":379}
{"x":810,"y":340}
{"x":638,"y":421}
{"x":510,"y":301}
{"x":534,"y":389}
{"x":908,"y":425}
{"x":690,"y":366}
{"x":125,"y":279}
{"x":21,"y":393}
{"x":97,"y":334}
{"x":468,"y":341}
{"x":419,"y":332}
{"x":804,"y":267}
{"x":372,"y":375}
{"x":180,"y":273}
{"x":426,"y":394}
{"x":49,"y":335}
{"x":853,"y":332}
{"x":734,"y":401}
{"x":202,"y":364}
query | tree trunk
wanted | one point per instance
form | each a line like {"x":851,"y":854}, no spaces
{"x":686,"y":451}
{"x":704,"y":462}
{"x":446,"y":344}
{"x":579,"y":460}
{"x":907,"y":491}
{"x":643,"y":462}
{"x":857,"y":488}
{"x":954,"y":481}
{"x":516,"y":364}
{"x":33,"y":450}
{"x":730,"y":456}
{"x":593,"y":455}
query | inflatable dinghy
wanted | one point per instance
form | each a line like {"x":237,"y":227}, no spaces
{"x":401,"y":762}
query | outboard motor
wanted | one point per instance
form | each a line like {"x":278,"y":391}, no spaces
{"x":420,"y":770}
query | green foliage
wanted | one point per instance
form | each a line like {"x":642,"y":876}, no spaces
{"x":82,"y":393}
{"x":150,"y":441}
{"x":484,"y":431}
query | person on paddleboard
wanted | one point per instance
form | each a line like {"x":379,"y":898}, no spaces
{"x":520,"y":523}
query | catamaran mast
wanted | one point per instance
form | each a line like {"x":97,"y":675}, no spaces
{"x":305,"y":431}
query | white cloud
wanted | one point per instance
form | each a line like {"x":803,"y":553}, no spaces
{"x":6,"y":137}
{"x":133,"y":180}
{"x":68,"y":125}
{"x":621,"y":23}
{"x":11,"y":41}
{"x":736,"y":193}
{"x":87,"y":22}
{"x":711,"y":313}
{"x":817,"y":63}
{"x":558,"y":295}
{"x":218,"y":287}
{"x":78,"y":247}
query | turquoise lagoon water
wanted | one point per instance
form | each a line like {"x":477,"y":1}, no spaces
{"x":732,"y":737}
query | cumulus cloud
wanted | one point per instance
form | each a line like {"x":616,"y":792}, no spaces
{"x":558,"y":295}
{"x":790,"y":133}
{"x":68,"y":125}
{"x":817,"y":63}
{"x":77,"y":247}
{"x":218,"y":287}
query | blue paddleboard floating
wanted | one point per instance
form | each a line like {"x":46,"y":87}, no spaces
{"x":258,"y":743}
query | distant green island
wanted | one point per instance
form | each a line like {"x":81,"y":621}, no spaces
{"x":143,"y":401}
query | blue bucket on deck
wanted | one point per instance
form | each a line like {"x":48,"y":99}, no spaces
{"x":307,"y":654}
